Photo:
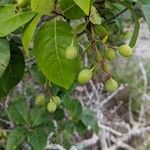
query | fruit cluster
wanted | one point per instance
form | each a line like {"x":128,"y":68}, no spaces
{"x":52,"y":104}
{"x":85,"y":75}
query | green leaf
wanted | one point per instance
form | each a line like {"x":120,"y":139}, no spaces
{"x":146,"y":7}
{"x":49,"y":48}
{"x":18,"y":112}
{"x":145,"y":2}
{"x":11,"y":24}
{"x":43,"y":7}
{"x":67,"y":125}
{"x":59,"y":114}
{"x":37,"y":74}
{"x":38,"y":116}
{"x":7,"y":12}
{"x":47,"y":126}
{"x":74,"y":107}
{"x":89,"y":119}
{"x":67,"y":129}
{"x":15,"y":138}
{"x":135,"y":34}
{"x":14,"y":71}
{"x":80,"y":28}
{"x":29,"y":32}
{"x":94,"y":16}
{"x":81,"y":128}
{"x":23,"y":3}
{"x":4,"y":55}
{"x":67,"y":139}
{"x":38,"y":139}
{"x":137,"y":25}
{"x":85,"y":6}
{"x":69,"y":8}
{"x":101,"y":32}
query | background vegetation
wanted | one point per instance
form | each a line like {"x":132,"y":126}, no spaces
{"x":42,"y":103}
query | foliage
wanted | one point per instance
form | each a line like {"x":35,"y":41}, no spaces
{"x":42,"y":31}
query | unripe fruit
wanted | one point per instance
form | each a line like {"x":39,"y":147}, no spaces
{"x":110,"y":54}
{"x":125,"y":51}
{"x":85,"y":76}
{"x":56,"y":100}
{"x":23,"y":3}
{"x":40,"y":100}
{"x":51,"y":106}
{"x":71,"y":52}
{"x":111,"y":85}
{"x":106,"y":68}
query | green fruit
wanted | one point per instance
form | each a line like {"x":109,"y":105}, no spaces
{"x":106,"y":68}
{"x":71,"y":53}
{"x":51,"y":106}
{"x":23,"y":3}
{"x":125,"y":51}
{"x":110,"y":54}
{"x":56,"y":100}
{"x":111,"y":85}
{"x":84,"y":76}
{"x":40,"y":100}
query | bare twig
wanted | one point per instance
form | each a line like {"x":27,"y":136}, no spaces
{"x":111,"y":96}
{"x":54,"y":147}
{"x":86,"y":143}
{"x":117,"y":15}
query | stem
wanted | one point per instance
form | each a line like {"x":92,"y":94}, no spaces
{"x":95,"y":46}
{"x":117,"y":15}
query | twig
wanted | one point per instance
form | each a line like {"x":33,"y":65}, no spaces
{"x":111,"y":96}
{"x":7,"y":122}
{"x":117,"y":15}
{"x":119,"y":124}
{"x":145,"y":80}
{"x":129,"y":135}
{"x":122,"y":145}
{"x":132,"y":121}
{"x":100,"y":117}
{"x":111,"y":130}
{"x":54,"y":147}
{"x":86,"y":143}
